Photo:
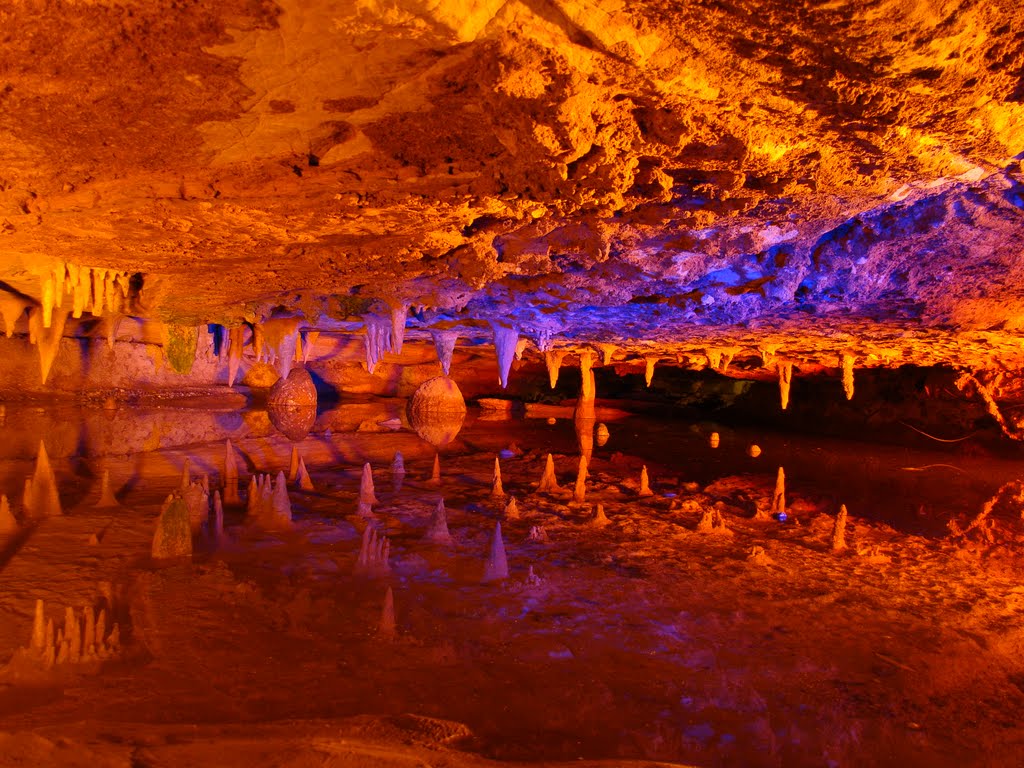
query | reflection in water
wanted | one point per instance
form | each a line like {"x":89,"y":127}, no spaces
{"x":437,"y":411}
{"x":293,"y":421}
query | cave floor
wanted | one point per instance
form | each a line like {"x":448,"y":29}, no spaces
{"x":641,"y":640}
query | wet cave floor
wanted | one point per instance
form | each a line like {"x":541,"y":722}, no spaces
{"x":644,"y":639}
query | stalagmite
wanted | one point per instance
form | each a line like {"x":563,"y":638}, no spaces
{"x":218,"y":517}
{"x":378,"y":340}
{"x":505,"y":340}
{"x":366,"y":491}
{"x":46,"y":337}
{"x":497,"y":491}
{"x":607,"y":350}
{"x":374,"y":552}
{"x":197,"y":499}
{"x":548,"y":481}
{"x":838,"y":542}
{"x":496,"y":567}
{"x":7,"y":522}
{"x":281,"y":506}
{"x":173,"y":536}
{"x":41,"y":497}
{"x":649,"y":363}
{"x":580,"y":489}
{"x":398,"y":316}
{"x":236,"y":339}
{"x":645,"y":487}
{"x":107,"y":499}
{"x":712,"y":521}
{"x":303,"y":478}
{"x":553,"y":360}
{"x":37,"y":643}
{"x":778,"y":506}
{"x":512,"y":509}
{"x":444,"y":344}
{"x":386,"y":627}
{"x":588,"y":391}
{"x":435,"y":474}
{"x":230,"y":475}
{"x":600,"y":520}
{"x":785,"y":380}
{"x":253,"y":503}
{"x":186,"y":474}
{"x":438,"y":530}
{"x":293,"y":465}
{"x":846,"y":363}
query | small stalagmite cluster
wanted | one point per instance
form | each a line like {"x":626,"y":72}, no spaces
{"x":268,"y":504}
{"x":81,"y":640}
{"x":374,"y":553}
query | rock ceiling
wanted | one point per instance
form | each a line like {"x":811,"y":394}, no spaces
{"x":646,"y":172}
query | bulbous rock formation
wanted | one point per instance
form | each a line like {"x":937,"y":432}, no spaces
{"x":437,"y":410}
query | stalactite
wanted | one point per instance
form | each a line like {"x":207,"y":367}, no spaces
{"x":444,"y":343}
{"x":505,"y":340}
{"x":553,"y":360}
{"x":607,"y":351}
{"x":588,"y":392}
{"x":378,"y":340}
{"x":846,"y":363}
{"x":398,"y":317}
{"x":236,"y":340}
{"x":46,"y":337}
{"x":785,"y":381}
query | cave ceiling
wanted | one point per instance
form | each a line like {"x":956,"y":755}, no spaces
{"x":643,"y":172}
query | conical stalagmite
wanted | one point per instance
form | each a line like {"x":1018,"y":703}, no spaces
{"x":386,"y":627}
{"x":779,"y":496}
{"x":505,"y":340}
{"x":38,"y":640}
{"x":186,"y":475}
{"x":579,"y":491}
{"x":846,"y":363}
{"x":230,"y":475}
{"x":173,"y":536}
{"x":302,"y":476}
{"x":600,"y":519}
{"x":7,"y":522}
{"x":444,"y":343}
{"x":281,"y":505}
{"x":366,"y":491}
{"x":645,"y":483}
{"x":293,"y":465}
{"x":435,"y":474}
{"x":107,"y":499}
{"x":497,"y":491}
{"x":838,"y":543}
{"x":217,"y":530}
{"x":496,"y":567}
{"x":438,"y":530}
{"x":553,"y":360}
{"x":512,"y":509}
{"x":785,"y":382}
{"x":548,"y":481}
{"x":41,"y":497}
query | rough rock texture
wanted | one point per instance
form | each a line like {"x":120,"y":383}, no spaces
{"x":811,"y":176}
